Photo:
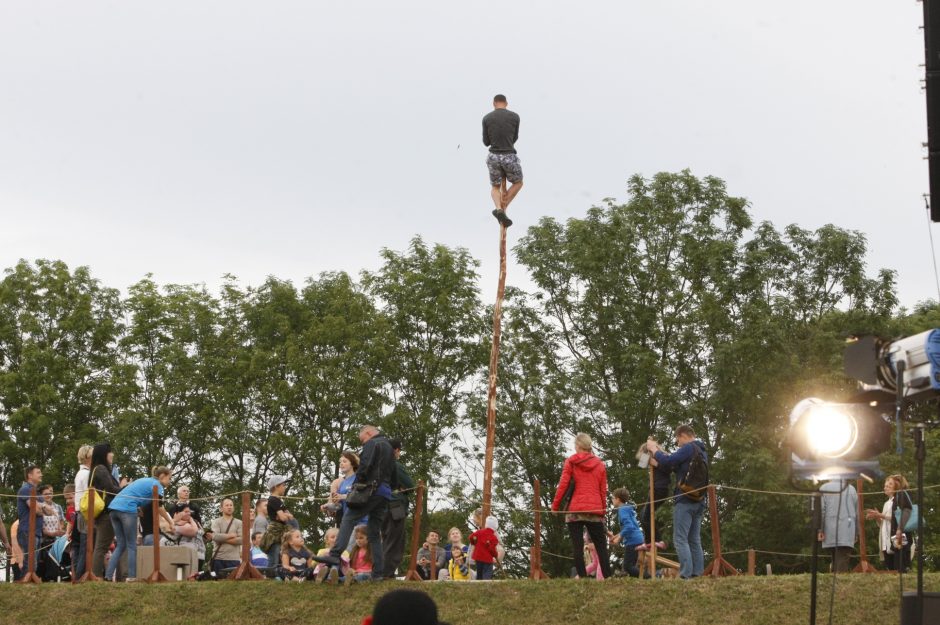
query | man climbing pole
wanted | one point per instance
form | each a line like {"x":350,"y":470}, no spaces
{"x":500,"y":133}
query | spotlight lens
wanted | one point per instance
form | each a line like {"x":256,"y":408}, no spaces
{"x":831,"y":433}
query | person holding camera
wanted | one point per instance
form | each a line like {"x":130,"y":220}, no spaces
{"x":584,"y":483}
{"x":689,"y":508}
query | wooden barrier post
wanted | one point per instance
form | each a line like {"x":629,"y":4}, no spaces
{"x":652,"y":504}
{"x":412,"y":573}
{"x":156,"y":575}
{"x":718,"y":567}
{"x":863,"y":566}
{"x":535,"y":554}
{"x":751,"y":562}
{"x":30,"y":577}
{"x":89,"y":575}
{"x":246,"y":570}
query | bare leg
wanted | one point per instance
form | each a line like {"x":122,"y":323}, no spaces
{"x":497,"y":196}
{"x":511,"y":194}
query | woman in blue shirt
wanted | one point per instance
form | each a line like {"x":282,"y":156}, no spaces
{"x":124,"y":518}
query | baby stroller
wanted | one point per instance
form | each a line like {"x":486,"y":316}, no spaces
{"x":58,"y":561}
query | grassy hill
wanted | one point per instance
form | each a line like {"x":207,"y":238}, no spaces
{"x":773,"y":600}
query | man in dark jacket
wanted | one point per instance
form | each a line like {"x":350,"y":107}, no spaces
{"x":500,"y":133}
{"x":376,"y":467}
{"x":393,"y":529}
{"x":687,"y":513}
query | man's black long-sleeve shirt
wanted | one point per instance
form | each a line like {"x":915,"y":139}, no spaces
{"x":501,"y":131}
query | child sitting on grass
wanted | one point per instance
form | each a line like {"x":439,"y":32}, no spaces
{"x":258,"y":557}
{"x":296,"y":559}
{"x":360,"y":558}
{"x":325,"y":571}
{"x":591,"y":559}
{"x":631,"y":535}
{"x":485,"y":552}
{"x":458,"y":568}
{"x":456,"y":540}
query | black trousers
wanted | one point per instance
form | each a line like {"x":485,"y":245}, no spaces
{"x":897,"y":561}
{"x":598,"y":534}
{"x":659,"y":494}
{"x":393,"y":544}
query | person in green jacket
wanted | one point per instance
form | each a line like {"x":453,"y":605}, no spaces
{"x":393,"y":527}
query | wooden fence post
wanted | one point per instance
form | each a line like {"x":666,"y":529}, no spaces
{"x":30,"y":577}
{"x":412,"y":573}
{"x":535,"y":554}
{"x":157,"y":575}
{"x":863,"y":566}
{"x":751,"y":562}
{"x":89,"y":575}
{"x":246,"y":570}
{"x":718,"y":567}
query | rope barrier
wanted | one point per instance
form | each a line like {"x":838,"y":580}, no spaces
{"x":40,"y":499}
{"x":476,"y":502}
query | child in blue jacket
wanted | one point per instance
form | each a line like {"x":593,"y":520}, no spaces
{"x":630,"y":533}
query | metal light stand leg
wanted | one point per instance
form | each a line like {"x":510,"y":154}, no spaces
{"x":920,"y":452}
{"x":816,"y":502}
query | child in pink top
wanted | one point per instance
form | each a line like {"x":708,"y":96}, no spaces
{"x":360,"y":558}
{"x":591,"y":561}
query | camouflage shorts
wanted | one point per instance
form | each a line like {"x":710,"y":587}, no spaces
{"x":504,"y":166}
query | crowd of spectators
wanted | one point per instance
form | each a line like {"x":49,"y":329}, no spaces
{"x":367,"y":506}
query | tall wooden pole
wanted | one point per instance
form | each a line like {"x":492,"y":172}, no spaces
{"x":246,"y":570}
{"x":494,"y":366}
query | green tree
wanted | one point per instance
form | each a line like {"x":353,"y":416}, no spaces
{"x":169,"y":416}
{"x":58,"y":365}
{"x":430,"y":298}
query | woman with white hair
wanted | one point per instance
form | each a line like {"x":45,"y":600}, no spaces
{"x":80,"y":532}
{"x":582,"y":496}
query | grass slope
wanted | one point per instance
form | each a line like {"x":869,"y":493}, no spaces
{"x":774,"y":600}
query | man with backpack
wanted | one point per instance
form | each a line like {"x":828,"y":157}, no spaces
{"x":690,"y":463}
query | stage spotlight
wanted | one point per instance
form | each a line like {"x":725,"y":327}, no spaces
{"x":829,"y":441}
{"x":876,"y":363}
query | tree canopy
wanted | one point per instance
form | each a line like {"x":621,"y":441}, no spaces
{"x":668,"y":307}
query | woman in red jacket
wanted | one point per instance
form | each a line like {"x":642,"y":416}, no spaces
{"x":588,"y":505}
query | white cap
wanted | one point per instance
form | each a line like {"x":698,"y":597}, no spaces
{"x":276,"y":480}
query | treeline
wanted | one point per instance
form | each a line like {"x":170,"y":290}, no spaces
{"x":671,"y":307}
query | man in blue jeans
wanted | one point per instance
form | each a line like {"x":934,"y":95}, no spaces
{"x":687,"y":513}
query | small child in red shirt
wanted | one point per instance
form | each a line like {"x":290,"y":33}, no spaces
{"x":484,"y":543}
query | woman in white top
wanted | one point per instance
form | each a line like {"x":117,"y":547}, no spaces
{"x":81,"y":485}
{"x":886,"y":538}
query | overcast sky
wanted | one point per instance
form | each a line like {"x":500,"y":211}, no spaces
{"x":193,"y":139}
